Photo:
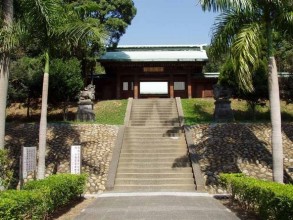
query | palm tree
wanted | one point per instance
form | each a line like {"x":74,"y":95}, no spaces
{"x":7,"y":12}
{"x":48,"y":21}
{"x":241,"y":29}
{"x":39,"y":18}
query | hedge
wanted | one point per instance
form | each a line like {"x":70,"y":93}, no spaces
{"x":270,"y":200}
{"x":41,"y":197}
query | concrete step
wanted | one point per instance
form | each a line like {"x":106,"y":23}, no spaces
{"x":166,"y":165}
{"x":154,"y":117}
{"x":153,"y":110}
{"x":139,"y":109}
{"x":177,"y":170}
{"x":144,"y":149}
{"x":152,"y":160}
{"x":163,"y":140}
{"x":161,"y":100}
{"x":154,"y":155}
{"x":151,"y":135}
{"x":149,"y":120}
{"x":154,"y":175}
{"x":158,"y":102}
{"x":155,"y":148}
{"x":158,"y":151}
{"x":170,"y":181}
{"x":161,"y":130}
{"x":155,"y":188}
{"x":154,"y":144}
{"x":153,"y":124}
{"x":139,"y":133}
{"x":143,"y":154}
{"x":155,"y":103}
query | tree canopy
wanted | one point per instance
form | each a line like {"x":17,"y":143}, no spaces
{"x":245,"y":29}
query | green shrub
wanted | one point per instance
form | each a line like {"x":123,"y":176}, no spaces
{"x":38,"y":198}
{"x":22,"y":204}
{"x":270,"y":200}
{"x":60,"y":188}
{"x":5,"y":172}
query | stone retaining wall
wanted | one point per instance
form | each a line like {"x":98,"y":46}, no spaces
{"x":246,"y":148}
{"x":97,"y":142}
{"x":222,"y":148}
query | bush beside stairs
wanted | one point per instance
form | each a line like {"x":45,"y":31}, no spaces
{"x":154,"y":155}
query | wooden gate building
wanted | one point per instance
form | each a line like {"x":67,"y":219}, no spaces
{"x":154,"y":71}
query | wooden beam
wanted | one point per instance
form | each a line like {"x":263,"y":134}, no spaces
{"x":135,"y":87}
{"x":189,"y":88}
{"x":171,"y":86}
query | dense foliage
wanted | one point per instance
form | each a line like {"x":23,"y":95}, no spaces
{"x":269,"y":199}
{"x":286,"y":88}
{"x":228,"y":78}
{"x":26,"y":80}
{"x":112,"y":17}
{"x":5,"y":172}
{"x":39,"y":198}
{"x":65,"y":82}
{"x":69,"y":30}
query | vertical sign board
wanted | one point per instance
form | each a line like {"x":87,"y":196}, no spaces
{"x":29,"y":160}
{"x":75,"y":159}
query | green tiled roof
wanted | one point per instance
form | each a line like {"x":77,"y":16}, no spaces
{"x":146,"y":53}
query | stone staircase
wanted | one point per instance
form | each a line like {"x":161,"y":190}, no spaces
{"x":154,"y":153}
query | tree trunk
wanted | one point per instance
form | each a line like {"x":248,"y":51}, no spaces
{"x":7,"y":11}
{"x":65,"y":110}
{"x":28,"y":107}
{"x":43,"y":123}
{"x":4,"y":75}
{"x":278,"y":173}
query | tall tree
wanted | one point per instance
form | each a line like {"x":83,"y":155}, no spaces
{"x":240,"y":29}
{"x":228,"y":78}
{"x":115,"y":16}
{"x":6,"y":44}
{"x":49,"y":22}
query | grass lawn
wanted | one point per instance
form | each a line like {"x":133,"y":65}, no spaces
{"x":110,"y":112}
{"x":201,"y":111}
{"x":107,"y":112}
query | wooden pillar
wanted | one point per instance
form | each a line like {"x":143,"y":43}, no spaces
{"x":171,"y":85}
{"x":118,"y":87}
{"x":135,"y":87}
{"x":189,"y":88}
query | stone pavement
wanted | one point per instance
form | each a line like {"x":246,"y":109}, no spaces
{"x":161,"y":206}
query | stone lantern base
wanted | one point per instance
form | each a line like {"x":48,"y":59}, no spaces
{"x":223,"y":111}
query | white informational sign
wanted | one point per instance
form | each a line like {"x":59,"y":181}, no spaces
{"x":160,"y":88}
{"x":75,"y":156}
{"x":29,"y":160}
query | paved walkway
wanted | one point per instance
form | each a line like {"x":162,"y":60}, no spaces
{"x":161,"y":206}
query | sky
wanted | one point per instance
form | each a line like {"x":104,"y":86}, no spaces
{"x":165,"y":22}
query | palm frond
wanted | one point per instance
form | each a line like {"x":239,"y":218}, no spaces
{"x":245,"y":53}
{"x":226,"y":26}
{"x":41,"y":11}
{"x":284,"y":22}
{"x":222,"y":5}
{"x":76,"y":31}
{"x":11,"y":36}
